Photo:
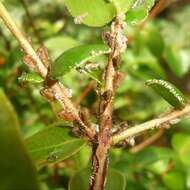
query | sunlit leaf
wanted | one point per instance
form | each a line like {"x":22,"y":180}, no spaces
{"x":76,"y":57}
{"x":91,"y":13}
{"x":80,"y":181}
{"x":53,"y":144}
{"x":174,"y":180}
{"x":181,"y":144}
{"x":16,"y":168}
{"x":139,"y":12}
{"x":169,"y":92}
{"x":123,"y":5}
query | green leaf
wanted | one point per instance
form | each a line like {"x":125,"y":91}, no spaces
{"x":58,"y":44}
{"x":169,"y":92}
{"x":53,"y":144}
{"x":123,"y":6}
{"x":16,"y":169}
{"x":177,"y":60}
{"x":76,"y":57}
{"x":139,"y":12}
{"x":80,"y":181}
{"x":31,"y":78}
{"x":92,"y":13}
{"x":181,"y":144}
{"x":174,"y":180}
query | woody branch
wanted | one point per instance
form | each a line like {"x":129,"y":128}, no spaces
{"x":167,"y":120}
{"x":117,"y":42}
{"x":59,"y":91}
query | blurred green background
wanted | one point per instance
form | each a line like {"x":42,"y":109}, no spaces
{"x":160,"y":49}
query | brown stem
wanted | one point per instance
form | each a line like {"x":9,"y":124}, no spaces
{"x":59,"y":91}
{"x":30,"y":18}
{"x":101,"y":149}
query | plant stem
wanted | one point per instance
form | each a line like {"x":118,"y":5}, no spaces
{"x":102,"y":146}
{"x":59,"y":91}
{"x":169,"y":119}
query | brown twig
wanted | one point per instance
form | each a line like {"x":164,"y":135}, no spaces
{"x":168,"y":119}
{"x":116,"y":41}
{"x":59,"y":91}
{"x":147,"y":142}
{"x":30,"y":18}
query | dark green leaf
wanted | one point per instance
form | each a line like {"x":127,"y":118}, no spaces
{"x":80,"y":181}
{"x":16,"y":169}
{"x":53,"y":144}
{"x":76,"y":57}
{"x":91,"y":13}
{"x":169,"y":92}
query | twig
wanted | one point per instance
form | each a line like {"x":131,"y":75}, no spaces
{"x":59,"y":91}
{"x":147,"y":142}
{"x":170,"y":119}
{"x":117,"y":41}
{"x":36,"y":32}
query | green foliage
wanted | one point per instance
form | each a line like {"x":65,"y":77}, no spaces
{"x":17,"y":170}
{"x":181,"y":144}
{"x":57,"y":144}
{"x":174,"y":180}
{"x":77,"y":57}
{"x":139,"y":12}
{"x":157,"y":50}
{"x":169,"y":92}
{"x":177,"y":60}
{"x":92,"y":13}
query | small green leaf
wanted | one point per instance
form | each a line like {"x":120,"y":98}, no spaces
{"x":123,"y":6}
{"x":169,"y":92}
{"x":139,"y":12}
{"x":53,"y":144}
{"x":181,"y":144}
{"x":80,"y":181}
{"x":16,"y":168}
{"x":76,"y":57}
{"x":31,"y":78}
{"x":92,"y":13}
